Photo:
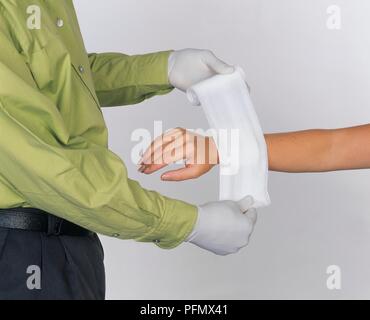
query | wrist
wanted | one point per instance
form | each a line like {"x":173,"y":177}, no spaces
{"x":213,"y":155}
{"x":193,"y":232}
{"x":269,"y":150}
{"x":171,"y":64}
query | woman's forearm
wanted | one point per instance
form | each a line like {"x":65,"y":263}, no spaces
{"x":319,"y":150}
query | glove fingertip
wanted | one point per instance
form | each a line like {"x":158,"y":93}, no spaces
{"x":225,"y":69}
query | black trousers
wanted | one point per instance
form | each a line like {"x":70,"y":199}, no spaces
{"x":35,"y":266}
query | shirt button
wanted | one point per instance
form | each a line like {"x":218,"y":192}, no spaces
{"x":116,"y":235}
{"x":81,"y":69}
{"x":60,"y":23}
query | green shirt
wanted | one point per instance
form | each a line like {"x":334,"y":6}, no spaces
{"x":53,"y":139}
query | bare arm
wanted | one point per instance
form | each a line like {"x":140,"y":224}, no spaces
{"x":320,"y":150}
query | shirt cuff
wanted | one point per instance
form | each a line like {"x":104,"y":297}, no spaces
{"x":177,"y":223}
{"x":153,"y":69}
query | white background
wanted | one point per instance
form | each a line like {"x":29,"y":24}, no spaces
{"x":302,"y":76}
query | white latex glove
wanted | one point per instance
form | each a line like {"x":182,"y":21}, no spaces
{"x":224,"y":227}
{"x":187,"y":67}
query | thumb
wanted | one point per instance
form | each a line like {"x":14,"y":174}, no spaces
{"x":217,"y":65}
{"x":186,"y":173}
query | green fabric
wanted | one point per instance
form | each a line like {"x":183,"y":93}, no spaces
{"x":53,"y":139}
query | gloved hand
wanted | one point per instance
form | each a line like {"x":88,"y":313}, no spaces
{"x":224,"y":227}
{"x":187,"y":67}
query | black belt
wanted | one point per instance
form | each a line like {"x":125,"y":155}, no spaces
{"x":32,"y":219}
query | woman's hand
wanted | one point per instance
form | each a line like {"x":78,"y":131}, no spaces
{"x":199,"y":153}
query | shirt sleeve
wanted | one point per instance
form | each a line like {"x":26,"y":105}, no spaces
{"x":72,"y":177}
{"x":122,"y":80}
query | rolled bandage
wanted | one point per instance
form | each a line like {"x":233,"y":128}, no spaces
{"x":241,"y":144}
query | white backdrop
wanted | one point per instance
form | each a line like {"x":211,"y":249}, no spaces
{"x":303,"y":75}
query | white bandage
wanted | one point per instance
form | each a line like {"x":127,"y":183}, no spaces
{"x":241,"y":144}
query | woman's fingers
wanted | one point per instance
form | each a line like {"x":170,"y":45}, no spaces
{"x":159,"y":143}
{"x":171,"y":154}
{"x":151,"y":168}
{"x":156,"y":144}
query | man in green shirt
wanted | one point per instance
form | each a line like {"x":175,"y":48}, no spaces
{"x":58,"y":179}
